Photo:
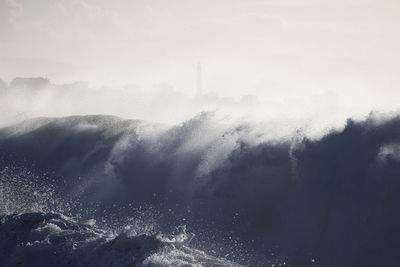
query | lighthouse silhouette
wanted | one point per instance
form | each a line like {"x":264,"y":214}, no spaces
{"x":198,"y":85}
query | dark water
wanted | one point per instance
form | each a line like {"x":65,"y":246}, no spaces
{"x":123,"y":192}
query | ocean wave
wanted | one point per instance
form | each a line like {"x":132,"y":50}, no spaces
{"x":250,"y":196}
{"x":49,"y":239}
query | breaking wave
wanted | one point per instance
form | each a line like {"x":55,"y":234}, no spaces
{"x":100,"y":190}
{"x":48,"y":239}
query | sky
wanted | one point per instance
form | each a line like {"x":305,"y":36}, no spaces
{"x":286,"y":49}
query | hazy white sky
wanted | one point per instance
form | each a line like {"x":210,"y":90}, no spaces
{"x":270,"y":48}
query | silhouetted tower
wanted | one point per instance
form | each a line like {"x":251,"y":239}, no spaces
{"x":198,"y":87}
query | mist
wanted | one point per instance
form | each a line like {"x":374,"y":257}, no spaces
{"x":25,"y":98}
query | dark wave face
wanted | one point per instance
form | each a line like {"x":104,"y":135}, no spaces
{"x":244,"y":197}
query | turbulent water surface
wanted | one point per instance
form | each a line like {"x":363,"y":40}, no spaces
{"x":103,"y":191}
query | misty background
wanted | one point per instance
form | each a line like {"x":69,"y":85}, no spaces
{"x":315,"y":60}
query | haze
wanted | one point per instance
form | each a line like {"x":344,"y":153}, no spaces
{"x":331,"y":52}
